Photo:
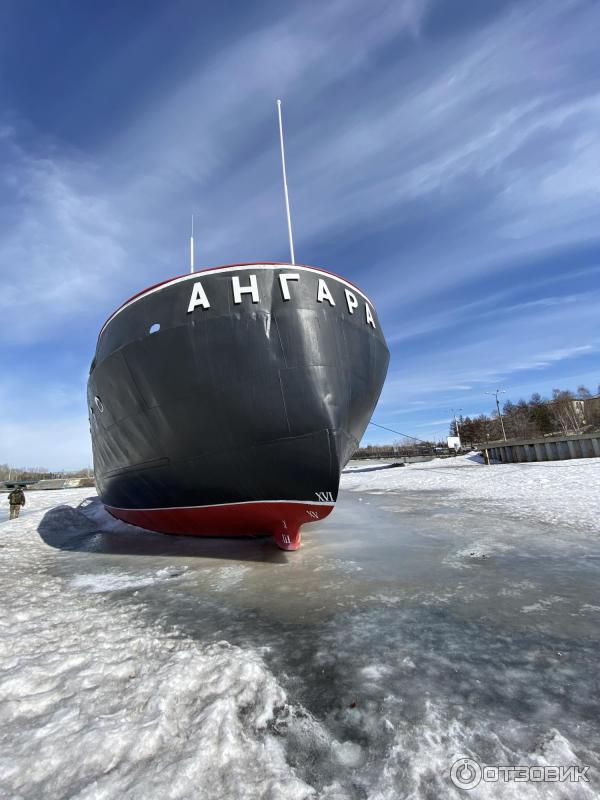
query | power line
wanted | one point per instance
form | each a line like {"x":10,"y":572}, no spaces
{"x":406,"y":435}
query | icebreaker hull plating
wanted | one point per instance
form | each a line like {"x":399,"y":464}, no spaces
{"x":238,"y":414}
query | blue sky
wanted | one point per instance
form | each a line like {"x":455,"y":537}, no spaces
{"x":443,"y":156}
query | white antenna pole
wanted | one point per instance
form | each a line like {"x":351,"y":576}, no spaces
{"x":192,"y":247}
{"x":285,"y":187}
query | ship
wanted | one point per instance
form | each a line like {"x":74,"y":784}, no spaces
{"x":227,"y":401}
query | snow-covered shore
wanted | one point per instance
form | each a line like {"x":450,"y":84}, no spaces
{"x":555,"y":492}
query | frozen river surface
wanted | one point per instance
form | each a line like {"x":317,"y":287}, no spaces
{"x":427,"y":619}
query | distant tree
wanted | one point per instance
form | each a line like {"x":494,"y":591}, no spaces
{"x":517,"y":422}
{"x":541,"y":419}
{"x":536,"y":399}
{"x":474,"y":430}
{"x":36,"y":473}
{"x":567,"y":411}
{"x":564,"y":410}
{"x":522,"y":421}
{"x":495,"y":429}
{"x":466,"y":431}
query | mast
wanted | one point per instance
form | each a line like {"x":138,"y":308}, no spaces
{"x":192,"y":247}
{"x":285,"y":186}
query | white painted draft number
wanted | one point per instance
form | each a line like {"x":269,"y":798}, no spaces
{"x":325,"y":497}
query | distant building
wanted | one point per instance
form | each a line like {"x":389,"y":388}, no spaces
{"x":591,"y":409}
{"x":575,"y":413}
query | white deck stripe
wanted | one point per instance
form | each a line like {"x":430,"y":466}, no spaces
{"x":222,"y":505}
{"x":196,"y":275}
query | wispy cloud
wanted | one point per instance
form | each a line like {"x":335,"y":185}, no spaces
{"x":432,"y":423}
{"x":60,"y":243}
{"x":86,"y":226}
{"x":450,"y":171}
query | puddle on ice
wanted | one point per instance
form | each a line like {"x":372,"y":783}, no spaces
{"x":359,"y":668}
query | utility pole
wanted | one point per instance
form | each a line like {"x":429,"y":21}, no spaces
{"x":495,"y":394}
{"x":456,"y":425}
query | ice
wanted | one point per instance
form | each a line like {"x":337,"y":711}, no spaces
{"x":440,"y":617}
{"x":558,"y":492}
{"x":117,"y":581}
{"x":543,"y":605}
{"x":435,"y":705}
{"x":349,"y":754}
{"x":227,"y":577}
{"x":375,"y":672}
{"x":95,"y":702}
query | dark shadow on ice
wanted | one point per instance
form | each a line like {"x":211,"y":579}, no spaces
{"x":373,"y":469}
{"x":475,"y":458}
{"x":90,"y":528}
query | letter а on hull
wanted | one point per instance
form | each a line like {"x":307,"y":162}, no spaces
{"x":323,"y":293}
{"x":198,"y":298}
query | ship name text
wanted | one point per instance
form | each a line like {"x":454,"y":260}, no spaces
{"x":249,"y":290}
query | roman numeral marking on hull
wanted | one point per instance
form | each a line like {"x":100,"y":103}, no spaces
{"x":325,"y":497}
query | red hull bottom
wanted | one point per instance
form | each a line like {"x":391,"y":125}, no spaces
{"x":281,"y":519}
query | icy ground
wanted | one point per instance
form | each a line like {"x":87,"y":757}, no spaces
{"x":565,"y":492}
{"x":443,"y":610}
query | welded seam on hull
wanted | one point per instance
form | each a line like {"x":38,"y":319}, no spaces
{"x":197,"y":275}
{"x":322,"y":503}
{"x":143,"y":465}
{"x":287,"y":419}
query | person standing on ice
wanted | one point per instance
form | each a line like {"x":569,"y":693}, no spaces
{"x":16,"y":499}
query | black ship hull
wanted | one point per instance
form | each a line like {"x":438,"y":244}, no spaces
{"x":227,"y":402}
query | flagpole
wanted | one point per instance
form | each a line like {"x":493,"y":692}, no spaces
{"x":192,"y":247}
{"x":285,"y":186}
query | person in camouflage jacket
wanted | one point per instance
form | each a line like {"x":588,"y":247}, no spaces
{"x":16,"y":499}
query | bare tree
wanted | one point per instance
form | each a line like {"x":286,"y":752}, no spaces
{"x":564,"y":410}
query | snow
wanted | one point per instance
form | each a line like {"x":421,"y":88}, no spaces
{"x":103,"y":696}
{"x":95,"y":702}
{"x":555,"y":492}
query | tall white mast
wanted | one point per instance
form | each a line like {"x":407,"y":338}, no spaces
{"x":192,"y":247}
{"x":285,"y":186}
